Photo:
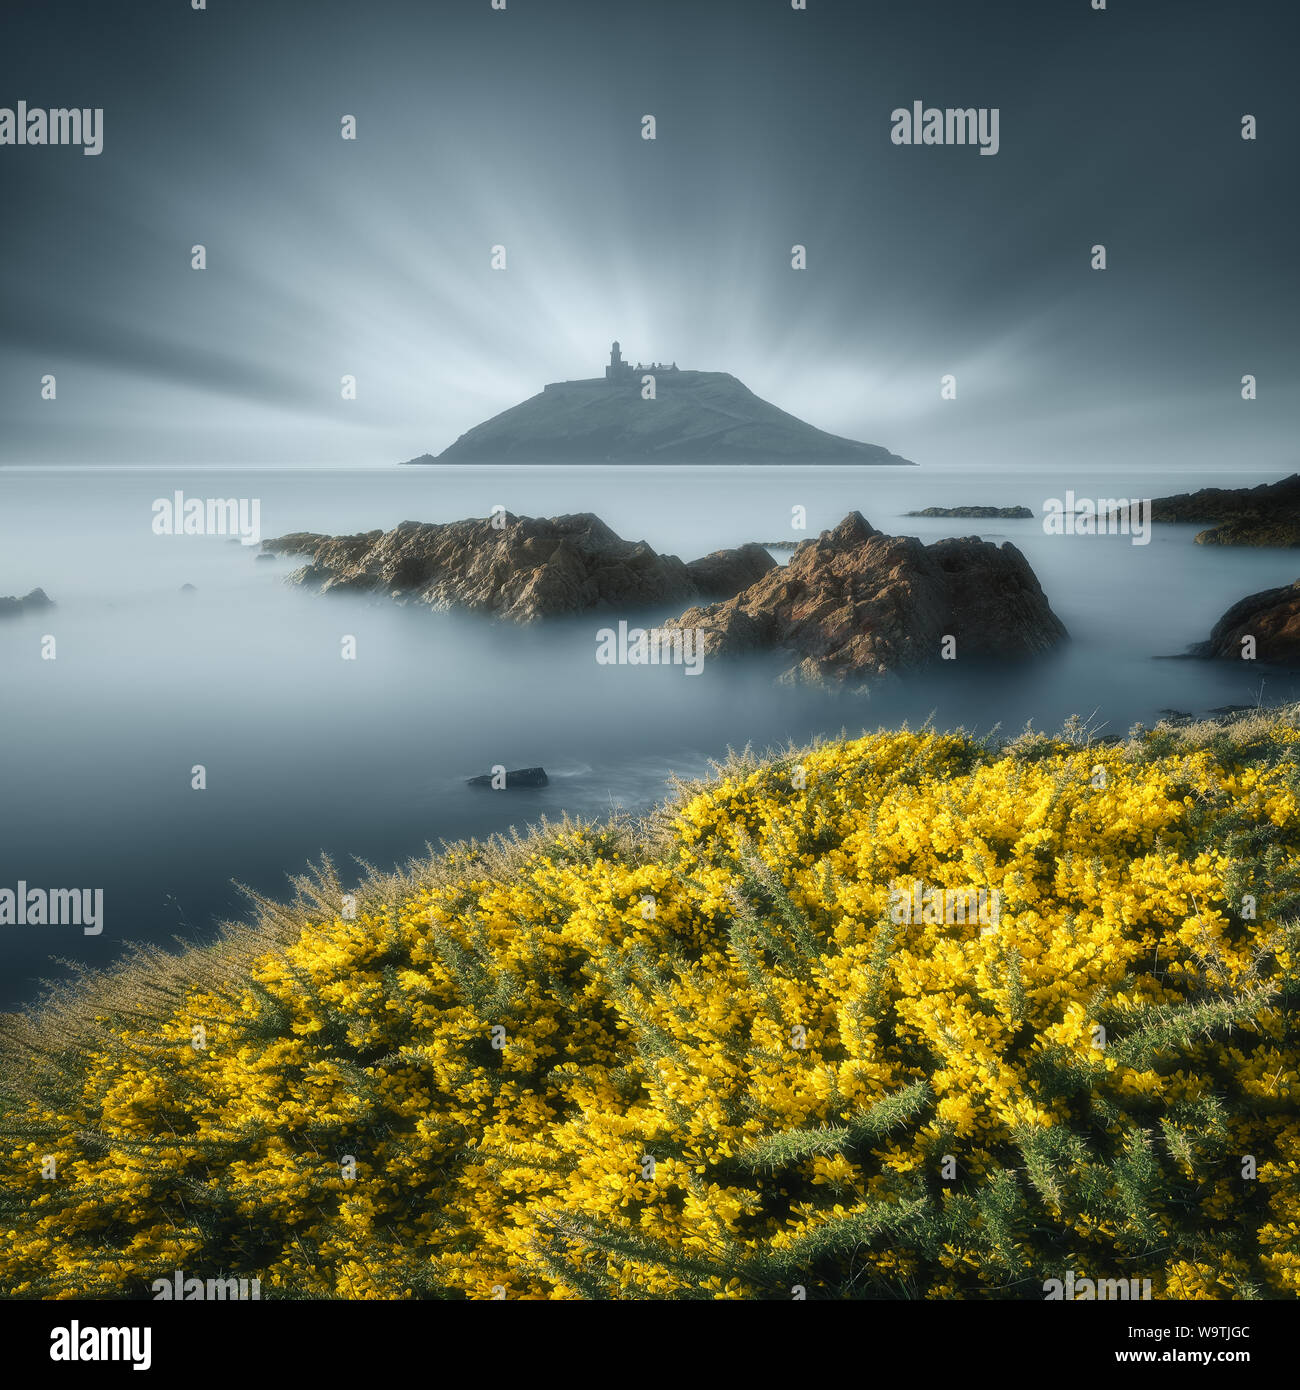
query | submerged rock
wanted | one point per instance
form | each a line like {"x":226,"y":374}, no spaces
{"x":855,"y":603}
{"x":524,"y":777}
{"x":523,"y":569}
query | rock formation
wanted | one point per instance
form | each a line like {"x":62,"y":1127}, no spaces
{"x":855,"y":604}
{"x":982,"y":513}
{"x":724,"y":573}
{"x":1260,"y":529}
{"x":1271,"y":617}
{"x":11,"y":606}
{"x":523,"y":777}
{"x":525,"y":569}
{"x":1267,"y":515}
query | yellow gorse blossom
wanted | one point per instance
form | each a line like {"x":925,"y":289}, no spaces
{"x":526,"y":1084}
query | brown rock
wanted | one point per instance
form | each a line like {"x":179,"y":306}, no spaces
{"x":856,"y":604}
{"x":726,"y":572}
{"x":525,"y":569}
{"x":1271,"y":617}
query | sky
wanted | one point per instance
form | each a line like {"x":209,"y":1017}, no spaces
{"x":478,"y":127}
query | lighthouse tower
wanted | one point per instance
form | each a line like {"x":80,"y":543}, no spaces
{"x":618,"y":370}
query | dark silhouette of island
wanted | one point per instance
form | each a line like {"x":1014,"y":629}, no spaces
{"x":984,"y":513}
{"x":11,"y":606}
{"x":1267,"y":515}
{"x":693,"y":417}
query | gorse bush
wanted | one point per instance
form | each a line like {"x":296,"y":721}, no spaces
{"x":712,"y":1058}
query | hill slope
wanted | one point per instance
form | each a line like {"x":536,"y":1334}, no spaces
{"x":696,"y":417}
{"x":551,"y":1094}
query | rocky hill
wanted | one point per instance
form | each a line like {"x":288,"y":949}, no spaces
{"x":696,"y":417}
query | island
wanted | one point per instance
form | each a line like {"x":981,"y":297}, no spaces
{"x":11,"y":606}
{"x":652,"y":413}
{"x":981,"y":513}
{"x":1267,"y":515}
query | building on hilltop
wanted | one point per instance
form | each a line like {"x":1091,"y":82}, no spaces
{"x":618,"y":370}
{"x":621,"y":371}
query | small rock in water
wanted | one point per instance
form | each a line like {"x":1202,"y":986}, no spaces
{"x":522,"y":777}
{"x":189,"y":589}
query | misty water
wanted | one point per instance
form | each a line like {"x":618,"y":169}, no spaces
{"x":308,"y":753}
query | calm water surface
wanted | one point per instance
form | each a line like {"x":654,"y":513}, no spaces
{"x":306,"y":752}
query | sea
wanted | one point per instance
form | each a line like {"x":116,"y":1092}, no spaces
{"x":305,"y":752}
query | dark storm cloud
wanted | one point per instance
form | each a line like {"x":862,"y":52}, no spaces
{"x":521,"y":127}
{"x":66,"y":332}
